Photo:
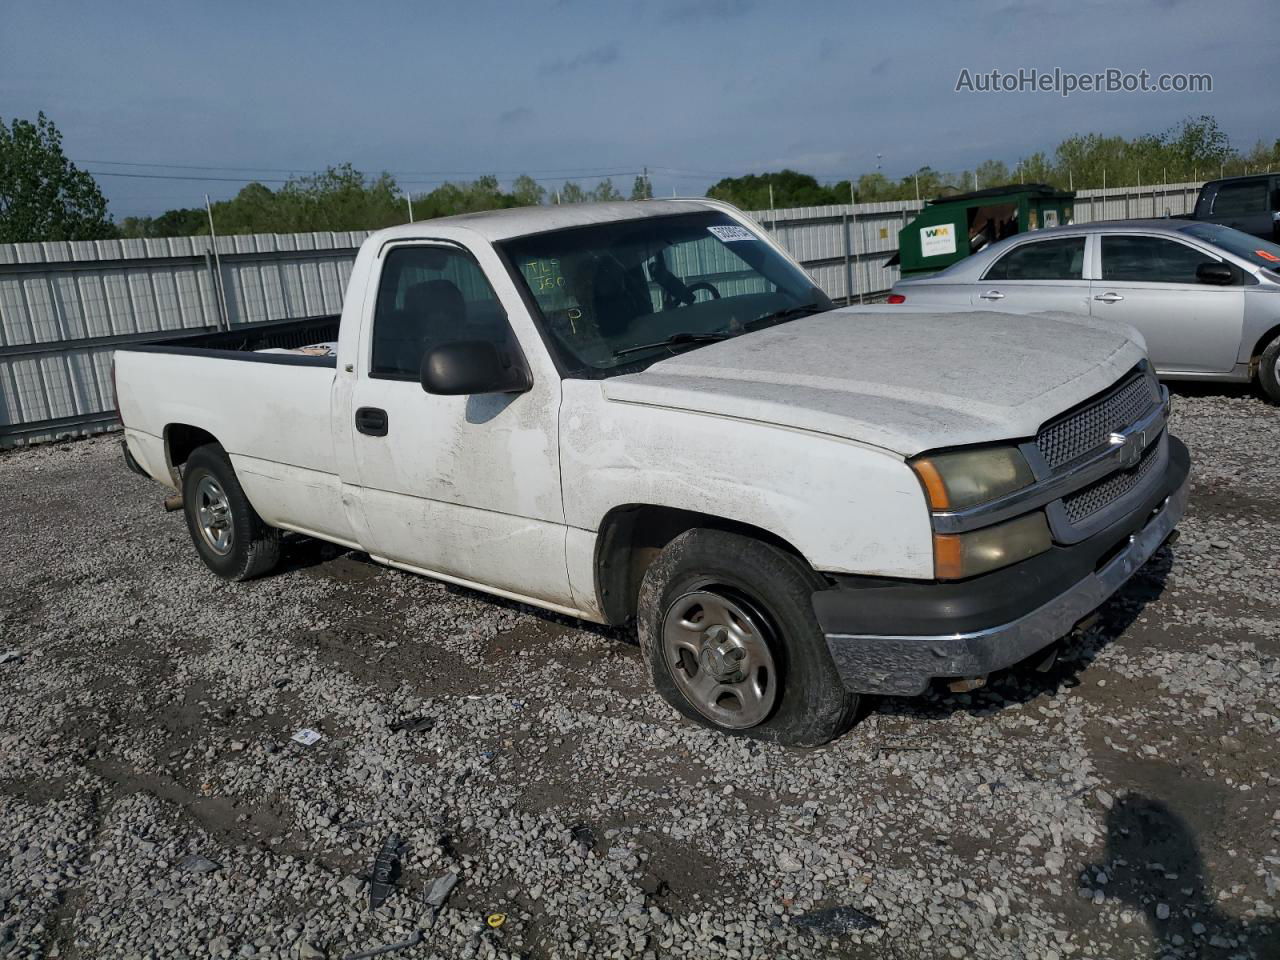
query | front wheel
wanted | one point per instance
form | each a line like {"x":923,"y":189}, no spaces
{"x":727,"y":626}
{"x":227,"y":532}
{"x":1269,"y":371}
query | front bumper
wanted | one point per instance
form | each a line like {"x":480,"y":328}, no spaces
{"x":893,"y":637}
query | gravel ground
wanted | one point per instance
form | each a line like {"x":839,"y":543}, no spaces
{"x":1121,"y":805}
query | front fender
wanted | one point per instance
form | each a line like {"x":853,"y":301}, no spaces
{"x":847,"y":507}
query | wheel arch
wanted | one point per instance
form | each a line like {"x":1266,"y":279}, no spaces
{"x":1260,"y":345}
{"x":632,"y":535}
{"x":180,"y":439}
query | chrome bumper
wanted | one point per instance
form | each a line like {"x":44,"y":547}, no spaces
{"x":904,"y":665}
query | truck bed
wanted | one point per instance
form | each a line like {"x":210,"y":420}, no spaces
{"x":249,"y":342}
{"x":269,"y":411}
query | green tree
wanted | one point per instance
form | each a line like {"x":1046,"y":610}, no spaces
{"x":1262,"y":157}
{"x":527,"y":192}
{"x":43,"y":195}
{"x":605,"y":191}
{"x":790,"y":189}
{"x":483,"y":193}
{"x":641,"y":188}
{"x":870,"y":188}
{"x":185,"y":222}
{"x":1198,"y":143}
{"x":991,"y":173}
{"x":572,"y":193}
{"x":1037,"y":168}
{"x":340,"y":198}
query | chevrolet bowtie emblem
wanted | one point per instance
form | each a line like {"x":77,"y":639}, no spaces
{"x":1133,"y":444}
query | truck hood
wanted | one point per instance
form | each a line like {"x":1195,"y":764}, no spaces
{"x":906,"y":382}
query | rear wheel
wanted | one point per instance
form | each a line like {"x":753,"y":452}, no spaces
{"x":727,"y":626}
{"x":1269,"y":371}
{"x":227,"y":532}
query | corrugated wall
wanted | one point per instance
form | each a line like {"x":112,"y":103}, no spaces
{"x":65,"y":306}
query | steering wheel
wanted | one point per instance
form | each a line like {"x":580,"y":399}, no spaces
{"x":703,"y":285}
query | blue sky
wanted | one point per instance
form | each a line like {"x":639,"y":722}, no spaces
{"x":695,"y":89}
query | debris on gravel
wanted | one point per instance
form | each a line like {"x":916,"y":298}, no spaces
{"x":154,"y":802}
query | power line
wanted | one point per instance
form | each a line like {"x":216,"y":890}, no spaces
{"x":550,"y":171}
{"x":264,"y":180}
{"x":168,"y":176}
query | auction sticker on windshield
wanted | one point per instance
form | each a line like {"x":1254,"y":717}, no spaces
{"x":729,"y":234}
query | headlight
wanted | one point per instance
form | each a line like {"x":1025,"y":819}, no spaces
{"x":960,"y":555}
{"x":965,"y":478}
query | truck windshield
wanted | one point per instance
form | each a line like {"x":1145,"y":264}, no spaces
{"x":618,"y":294}
{"x":1262,"y":253}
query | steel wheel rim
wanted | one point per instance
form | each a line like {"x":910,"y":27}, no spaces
{"x":213,"y":515}
{"x":717,"y":651}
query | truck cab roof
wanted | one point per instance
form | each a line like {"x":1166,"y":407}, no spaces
{"x":498,"y":225}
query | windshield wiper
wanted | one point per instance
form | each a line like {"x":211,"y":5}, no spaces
{"x":674,"y":340}
{"x":786,"y":313}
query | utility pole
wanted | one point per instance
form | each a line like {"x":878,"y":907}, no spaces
{"x":409,"y":200}
{"x":773,"y":217}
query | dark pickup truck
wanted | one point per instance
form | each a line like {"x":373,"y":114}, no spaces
{"x":1249,"y":204}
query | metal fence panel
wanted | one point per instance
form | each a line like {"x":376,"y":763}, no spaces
{"x":64,"y":306}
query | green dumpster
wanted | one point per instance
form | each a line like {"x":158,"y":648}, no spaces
{"x":950,"y":228}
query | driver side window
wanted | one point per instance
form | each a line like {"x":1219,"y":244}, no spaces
{"x":1150,"y":260}
{"x":429,"y":296}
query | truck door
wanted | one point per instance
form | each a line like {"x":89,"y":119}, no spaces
{"x":462,"y":487}
{"x":1150,"y":282}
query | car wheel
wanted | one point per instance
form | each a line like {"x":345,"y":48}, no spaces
{"x":1269,"y":371}
{"x":727,"y":627}
{"x":228,"y":534}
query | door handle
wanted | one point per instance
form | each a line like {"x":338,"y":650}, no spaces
{"x":992,"y":295}
{"x":1109,"y":297}
{"x":371,"y":421}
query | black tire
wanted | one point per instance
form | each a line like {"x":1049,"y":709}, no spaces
{"x":1269,"y":371}
{"x":810,"y":705}
{"x":252,"y":548}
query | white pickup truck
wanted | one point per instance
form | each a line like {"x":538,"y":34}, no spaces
{"x":648,"y":411}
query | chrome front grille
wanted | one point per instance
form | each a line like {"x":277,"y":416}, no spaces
{"x":1082,"y":504}
{"x":1088,"y":428}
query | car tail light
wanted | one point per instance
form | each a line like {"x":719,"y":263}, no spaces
{"x":895,"y":298}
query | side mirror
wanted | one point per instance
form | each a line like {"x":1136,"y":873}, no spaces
{"x":1219,"y":274}
{"x":467,"y":367}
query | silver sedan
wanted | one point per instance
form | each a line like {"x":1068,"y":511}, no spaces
{"x":1205,"y":297}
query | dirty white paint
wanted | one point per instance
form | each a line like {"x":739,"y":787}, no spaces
{"x":847,"y":507}
{"x":800,"y":430}
{"x":904,"y":381}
